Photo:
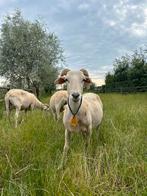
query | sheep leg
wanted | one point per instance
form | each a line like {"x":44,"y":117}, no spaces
{"x":65,"y":149}
{"x":58,"y":113}
{"x":53,"y":113}
{"x":8,"y":110}
{"x":87,"y":138}
{"x":22,"y":115}
{"x":16,"y":117}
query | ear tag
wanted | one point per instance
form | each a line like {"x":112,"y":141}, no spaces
{"x":74,"y":121}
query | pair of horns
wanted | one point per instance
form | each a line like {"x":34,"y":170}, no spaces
{"x":65,"y":71}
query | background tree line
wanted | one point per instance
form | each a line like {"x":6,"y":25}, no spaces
{"x":129,"y":71}
{"x":29,"y":54}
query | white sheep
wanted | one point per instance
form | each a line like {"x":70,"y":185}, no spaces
{"x":21,"y":100}
{"x":83,"y":112}
{"x":57,"y":102}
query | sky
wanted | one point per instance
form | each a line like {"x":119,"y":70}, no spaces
{"x":92,"y":32}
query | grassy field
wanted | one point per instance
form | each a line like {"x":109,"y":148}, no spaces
{"x":116,"y":162}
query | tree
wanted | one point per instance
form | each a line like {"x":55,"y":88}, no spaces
{"x":137,"y":72}
{"x":28,"y":53}
{"x":92,"y":87}
{"x":129,"y":71}
{"x":121,"y":67}
{"x":109,"y":80}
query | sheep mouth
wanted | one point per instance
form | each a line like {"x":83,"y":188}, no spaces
{"x":75,"y":100}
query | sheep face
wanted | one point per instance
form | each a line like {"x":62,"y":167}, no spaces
{"x":75,"y":84}
{"x":75,"y":80}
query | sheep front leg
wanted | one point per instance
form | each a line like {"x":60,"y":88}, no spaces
{"x":8,"y":112}
{"x":53,"y":112}
{"x":54,"y":115}
{"x":87,"y":137}
{"x":58,"y":113}
{"x":65,"y":149}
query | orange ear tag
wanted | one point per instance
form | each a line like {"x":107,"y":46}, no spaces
{"x":74,"y":121}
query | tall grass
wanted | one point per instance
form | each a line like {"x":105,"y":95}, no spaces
{"x":116,"y":163}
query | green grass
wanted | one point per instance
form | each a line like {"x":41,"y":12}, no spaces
{"x":116,"y":162}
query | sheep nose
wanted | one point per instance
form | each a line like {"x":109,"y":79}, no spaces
{"x":75,"y":95}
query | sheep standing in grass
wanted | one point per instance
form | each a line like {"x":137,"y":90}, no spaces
{"x":83,"y":112}
{"x":57,"y":102}
{"x":21,"y":100}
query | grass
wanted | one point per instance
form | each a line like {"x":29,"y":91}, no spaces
{"x":116,"y":162}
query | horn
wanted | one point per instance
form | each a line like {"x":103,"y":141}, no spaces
{"x":64,"y":72}
{"x":85,"y":72}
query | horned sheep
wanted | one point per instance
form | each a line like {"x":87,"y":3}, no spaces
{"x":83,"y":112}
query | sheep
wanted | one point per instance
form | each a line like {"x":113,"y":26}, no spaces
{"x":21,"y":100}
{"x":57,"y":102}
{"x":83,"y":112}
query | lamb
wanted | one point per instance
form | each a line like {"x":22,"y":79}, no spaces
{"x":57,"y":102}
{"x":83,"y":112}
{"x":21,"y":100}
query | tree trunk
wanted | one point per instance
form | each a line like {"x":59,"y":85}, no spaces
{"x":28,"y":82}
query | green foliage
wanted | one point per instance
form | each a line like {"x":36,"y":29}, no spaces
{"x":121,"y":67}
{"x":109,"y":80}
{"x":116,"y":163}
{"x":129,"y":71}
{"x":28,"y":52}
{"x":92,"y":87}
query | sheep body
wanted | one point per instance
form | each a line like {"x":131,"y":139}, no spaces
{"x":57,"y":102}
{"x":21,"y":100}
{"x":83,"y":112}
{"x":90,"y":113}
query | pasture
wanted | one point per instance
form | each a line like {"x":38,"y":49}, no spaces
{"x":116,"y":163}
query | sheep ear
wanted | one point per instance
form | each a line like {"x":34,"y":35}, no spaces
{"x":60,"y":80}
{"x":86,"y":74}
{"x":88,"y":80}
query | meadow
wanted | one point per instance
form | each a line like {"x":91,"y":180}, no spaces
{"x":116,"y":163}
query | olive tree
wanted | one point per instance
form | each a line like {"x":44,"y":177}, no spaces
{"x":29,"y":54}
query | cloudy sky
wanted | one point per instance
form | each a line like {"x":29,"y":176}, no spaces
{"x":92,"y":32}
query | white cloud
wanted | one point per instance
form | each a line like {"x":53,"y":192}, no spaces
{"x":127,"y":17}
{"x":66,"y":5}
{"x":120,"y":10}
{"x":140,"y":29}
{"x":83,"y":6}
{"x":110,"y":23}
{"x":4,"y":2}
{"x":98,"y":76}
{"x":98,"y":82}
{"x":107,"y":68}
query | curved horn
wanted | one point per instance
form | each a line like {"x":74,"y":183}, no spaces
{"x":85,"y":72}
{"x":64,"y":72}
